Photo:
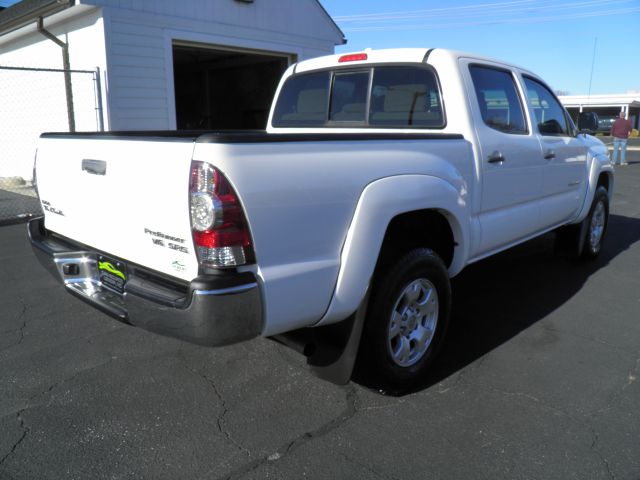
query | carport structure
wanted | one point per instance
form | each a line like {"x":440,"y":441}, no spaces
{"x":606,"y":106}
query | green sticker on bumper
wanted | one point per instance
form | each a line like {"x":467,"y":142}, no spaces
{"x":108,"y":266}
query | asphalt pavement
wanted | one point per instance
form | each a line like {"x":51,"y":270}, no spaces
{"x":16,"y":207}
{"x":538,"y":380}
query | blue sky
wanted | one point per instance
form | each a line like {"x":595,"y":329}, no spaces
{"x":555,"y":39}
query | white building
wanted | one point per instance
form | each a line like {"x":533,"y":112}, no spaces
{"x":608,"y":107}
{"x":163,"y":64}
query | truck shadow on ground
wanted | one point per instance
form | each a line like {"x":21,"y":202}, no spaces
{"x":495,"y":299}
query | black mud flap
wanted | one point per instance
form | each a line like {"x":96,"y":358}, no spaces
{"x":331,"y":350}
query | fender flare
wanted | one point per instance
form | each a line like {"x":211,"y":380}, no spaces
{"x":379,"y":203}
{"x":599,"y":165}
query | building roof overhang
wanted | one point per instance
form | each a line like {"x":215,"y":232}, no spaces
{"x":613,"y":100}
{"x":343,"y":39}
{"x":27,"y":11}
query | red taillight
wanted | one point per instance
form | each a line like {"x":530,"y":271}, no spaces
{"x":218,"y":223}
{"x":222,"y":238}
{"x":352,"y":57}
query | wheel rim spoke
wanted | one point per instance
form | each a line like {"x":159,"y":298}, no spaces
{"x":422,"y":336}
{"x":395,"y":325}
{"x":413,"y":322}
{"x":403,"y":349}
{"x":429,"y":305}
{"x":412,"y":293}
{"x":597,"y":225}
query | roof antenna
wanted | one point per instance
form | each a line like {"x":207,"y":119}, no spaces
{"x":593,"y":62}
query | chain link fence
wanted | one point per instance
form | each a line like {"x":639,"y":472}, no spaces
{"x":33,"y":101}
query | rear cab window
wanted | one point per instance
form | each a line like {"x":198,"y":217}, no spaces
{"x":349,"y":96}
{"x":388,"y":96}
{"x":303,"y":100}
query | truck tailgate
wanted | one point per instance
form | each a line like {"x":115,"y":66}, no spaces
{"x":126,"y":197}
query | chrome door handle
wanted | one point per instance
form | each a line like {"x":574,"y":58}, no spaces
{"x":549,"y":155}
{"x":94,"y":167}
{"x":496,"y":157}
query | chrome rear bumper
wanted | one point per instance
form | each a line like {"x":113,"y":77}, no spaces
{"x":210,"y":310}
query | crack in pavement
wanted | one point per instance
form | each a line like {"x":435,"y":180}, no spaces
{"x":617,"y":395}
{"x":15,"y":446}
{"x":221,"y":417}
{"x":460,"y":376}
{"x":543,"y":405}
{"x":22,"y":317}
{"x":20,"y":329}
{"x":220,"y":421}
{"x":32,"y":402}
{"x":68,"y":341}
{"x":589,"y":338}
{"x":582,"y":421}
{"x":596,"y":437}
{"x":368,"y":468}
{"x":633,"y":375}
{"x":287,"y":449}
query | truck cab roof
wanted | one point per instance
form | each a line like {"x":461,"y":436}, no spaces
{"x":388,"y":55}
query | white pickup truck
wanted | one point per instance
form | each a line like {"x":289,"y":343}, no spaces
{"x":380,"y":176}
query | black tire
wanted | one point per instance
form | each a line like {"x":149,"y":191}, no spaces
{"x":407,"y":317}
{"x":595,"y":225}
{"x":584,"y":240}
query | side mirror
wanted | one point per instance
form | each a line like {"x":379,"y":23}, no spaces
{"x":588,"y":122}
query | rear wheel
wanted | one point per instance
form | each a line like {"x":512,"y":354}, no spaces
{"x":406,"y":320}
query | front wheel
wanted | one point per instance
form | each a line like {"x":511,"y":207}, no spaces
{"x":596,"y":224}
{"x":407,"y":317}
{"x":584,"y":240}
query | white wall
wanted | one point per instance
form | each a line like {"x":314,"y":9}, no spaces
{"x":34,"y":102}
{"x":140,"y":35}
{"x":131,"y":42}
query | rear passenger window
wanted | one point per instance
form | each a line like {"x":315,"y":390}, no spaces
{"x":548,"y":111}
{"x":498,"y":99}
{"x":349,"y":96}
{"x":405,"y":97}
{"x":303,"y":101}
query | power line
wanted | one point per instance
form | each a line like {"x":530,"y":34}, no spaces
{"x":518,"y":6}
{"x":508,"y":21}
{"x":504,"y":13}
{"x":429,"y":12}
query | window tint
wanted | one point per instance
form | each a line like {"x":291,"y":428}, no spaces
{"x":549,"y":113}
{"x":303,"y":101}
{"x":349,"y":96}
{"x":405,"y":97}
{"x":498,"y":99}
{"x":400,"y":97}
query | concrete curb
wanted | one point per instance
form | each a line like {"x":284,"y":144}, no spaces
{"x":629,"y":149}
{"x":17,"y":185}
{"x":12,"y":182}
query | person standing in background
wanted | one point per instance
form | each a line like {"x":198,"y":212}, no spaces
{"x":620,"y":132}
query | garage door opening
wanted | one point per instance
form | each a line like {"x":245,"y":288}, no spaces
{"x":218,"y":89}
